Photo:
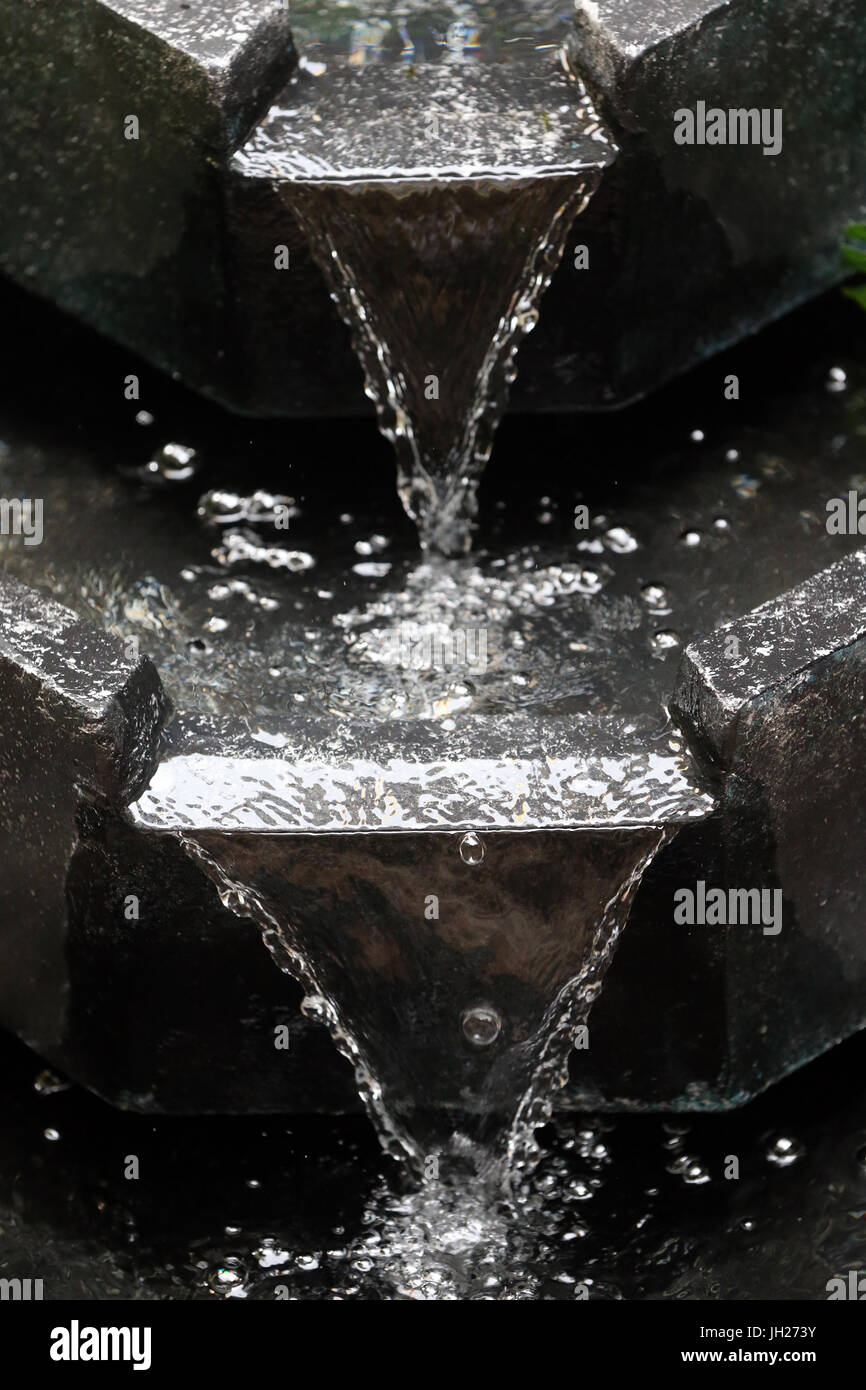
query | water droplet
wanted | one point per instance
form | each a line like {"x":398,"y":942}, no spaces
{"x":481,"y":1025}
{"x":472,"y":848}
{"x":783,"y":1150}
{"x":175,"y":463}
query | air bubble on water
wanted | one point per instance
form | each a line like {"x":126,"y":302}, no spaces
{"x":664,"y":641}
{"x":372,"y":569}
{"x":253,"y":1182}
{"x":691,"y":539}
{"x":837,"y":380}
{"x":591,"y":581}
{"x":472,"y":848}
{"x":215,"y":624}
{"x":783,"y":1150}
{"x":746,"y":486}
{"x":52,"y":1135}
{"x":732,"y":456}
{"x":270,"y":1255}
{"x":655,"y":596}
{"x":238,"y":545}
{"x":229,"y":1279}
{"x":374,"y":546}
{"x":174,"y":463}
{"x":695,"y":1174}
{"x":481,"y":1025}
{"x":620,"y":540}
{"x":697,"y":436}
{"x":144,"y":417}
{"x":747,"y":1224}
{"x":721,"y":523}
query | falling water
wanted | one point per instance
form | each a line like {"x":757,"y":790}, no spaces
{"x":390,"y":995}
{"x":437,"y":202}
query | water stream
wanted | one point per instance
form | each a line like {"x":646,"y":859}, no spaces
{"x":374,"y":983}
{"x":436,"y":199}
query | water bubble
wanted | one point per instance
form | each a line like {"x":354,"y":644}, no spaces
{"x":481,"y":1025}
{"x":691,"y":538}
{"x":372,"y":569}
{"x":721,"y":523}
{"x":175,"y":463}
{"x":745,"y":486}
{"x":472,"y":849}
{"x":697,"y":436}
{"x":620,"y":540}
{"x":144,"y":417}
{"x":590,"y":581}
{"x":837,"y":380}
{"x":783,"y":1150}
{"x":664,"y":641}
{"x":228,"y":1278}
{"x":654,"y":595}
{"x":52,"y":1135}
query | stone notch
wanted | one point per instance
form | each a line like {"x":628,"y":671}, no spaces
{"x":80,"y":700}
{"x":732,"y":669}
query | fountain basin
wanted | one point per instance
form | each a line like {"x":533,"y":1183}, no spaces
{"x":576,"y":754}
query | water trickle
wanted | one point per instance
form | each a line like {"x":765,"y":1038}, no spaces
{"x":438,"y":225}
{"x":437,"y":321}
{"x":376,"y":983}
